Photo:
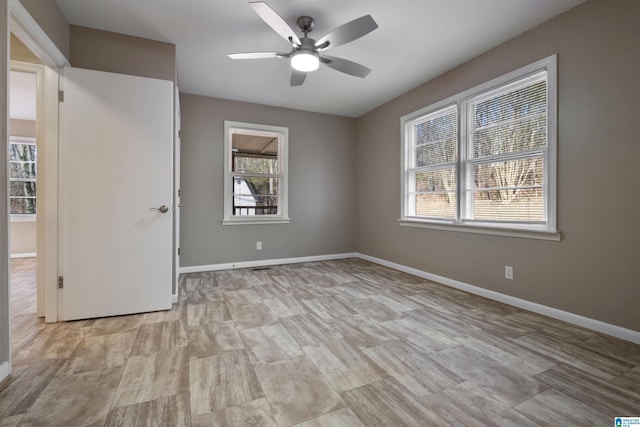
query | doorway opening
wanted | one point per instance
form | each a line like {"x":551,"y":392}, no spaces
{"x":25,"y":84}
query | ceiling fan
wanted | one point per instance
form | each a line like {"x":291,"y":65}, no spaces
{"x":305,"y":53}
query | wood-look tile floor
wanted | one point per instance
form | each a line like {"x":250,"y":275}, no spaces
{"x":338,"y":343}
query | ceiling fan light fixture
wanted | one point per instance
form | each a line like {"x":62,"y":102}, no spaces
{"x":305,"y":61}
{"x":305,"y":51}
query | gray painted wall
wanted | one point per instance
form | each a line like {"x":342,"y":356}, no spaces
{"x":119,"y":53}
{"x":593,"y":271}
{"x":321,"y":185}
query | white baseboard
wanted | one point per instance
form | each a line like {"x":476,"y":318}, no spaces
{"x":4,"y":371}
{"x":25,"y":255}
{"x":264,"y":263}
{"x":585,"y":322}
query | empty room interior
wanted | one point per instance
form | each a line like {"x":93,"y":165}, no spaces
{"x":356,"y":213}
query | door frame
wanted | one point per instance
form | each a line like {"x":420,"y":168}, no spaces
{"x":38,"y":70}
{"x":27,"y":30}
{"x":177,"y":205}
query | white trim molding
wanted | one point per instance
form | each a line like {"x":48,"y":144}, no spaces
{"x":22,"y":218}
{"x":24,"y":255}
{"x":4,"y":371}
{"x":279,"y":134}
{"x":497,"y":231}
{"x":417,"y":128}
{"x":585,"y":322}
{"x":29,"y":32}
{"x":265,"y":262}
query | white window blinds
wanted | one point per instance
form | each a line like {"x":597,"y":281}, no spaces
{"x":485,"y":157}
{"x":434,"y":154}
{"x":507,"y":142}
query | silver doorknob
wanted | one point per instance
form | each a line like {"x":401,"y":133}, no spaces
{"x":162,"y":209}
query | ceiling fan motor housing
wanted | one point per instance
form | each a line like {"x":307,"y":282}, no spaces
{"x":308,"y":43}
{"x":306,"y":24}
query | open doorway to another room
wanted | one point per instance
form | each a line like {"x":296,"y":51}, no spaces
{"x":27,"y":301}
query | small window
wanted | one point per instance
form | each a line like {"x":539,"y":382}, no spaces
{"x":485,"y":158}
{"x":22,"y":177}
{"x":255,"y":174}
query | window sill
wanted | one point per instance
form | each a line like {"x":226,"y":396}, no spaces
{"x":493,"y":231}
{"x":23,"y":218}
{"x":255,"y":221}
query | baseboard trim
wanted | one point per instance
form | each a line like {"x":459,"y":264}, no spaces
{"x":4,"y":371}
{"x":565,"y":316}
{"x":174,"y":298}
{"x":24,"y":255}
{"x":265,"y":262}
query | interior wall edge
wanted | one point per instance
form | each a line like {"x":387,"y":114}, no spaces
{"x":5,"y":296}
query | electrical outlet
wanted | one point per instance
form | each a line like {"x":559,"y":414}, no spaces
{"x":259,"y":246}
{"x":508,"y":272}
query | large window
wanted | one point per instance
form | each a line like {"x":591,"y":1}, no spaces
{"x":485,"y":159}
{"x":22,"y":177}
{"x":255,"y":173}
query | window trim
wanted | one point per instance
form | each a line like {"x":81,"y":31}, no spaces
{"x":283,"y":187}
{"x":25,"y":140}
{"x":548,"y":231}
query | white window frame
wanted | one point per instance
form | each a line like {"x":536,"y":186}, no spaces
{"x":548,"y":230}
{"x":23,"y":140}
{"x":282,"y":134}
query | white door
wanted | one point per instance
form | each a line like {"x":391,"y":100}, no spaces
{"x":116,"y":171}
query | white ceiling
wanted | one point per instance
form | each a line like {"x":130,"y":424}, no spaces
{"x":416,"y":41}
{"x":22,"y":95}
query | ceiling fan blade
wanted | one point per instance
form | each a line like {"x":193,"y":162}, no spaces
{"x":297,"y":77}
{"x":255,"y":55}
{"x":345,"y":66}
{"x":348,"y":32}
{"x":274,"y":20}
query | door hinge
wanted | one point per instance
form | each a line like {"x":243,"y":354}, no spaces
{"x":178,"y":251}
{"x":60,"y":96}
{"x":179,"y":191}
{"x":60,"y":282}
{"x":180,"y":134}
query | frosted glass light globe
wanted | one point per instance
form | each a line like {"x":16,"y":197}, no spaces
{"x":305,"y":61}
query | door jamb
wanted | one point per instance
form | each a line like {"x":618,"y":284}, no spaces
{"x":177,"y":205}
